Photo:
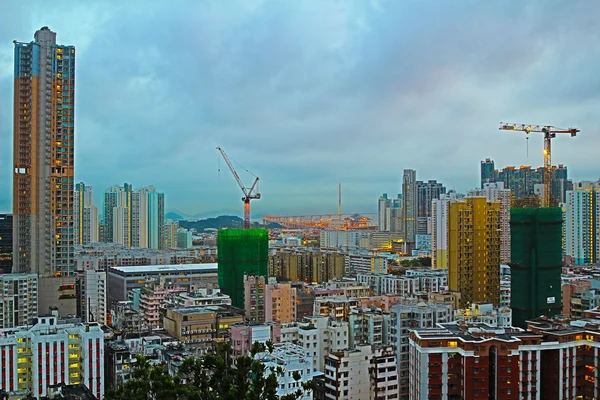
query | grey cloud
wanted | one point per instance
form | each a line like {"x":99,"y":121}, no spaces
{"x":306,"y":94}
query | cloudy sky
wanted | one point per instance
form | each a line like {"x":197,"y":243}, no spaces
{"x":306,"y":93}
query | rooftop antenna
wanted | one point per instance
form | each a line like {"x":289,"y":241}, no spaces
{"x":339,"y":201}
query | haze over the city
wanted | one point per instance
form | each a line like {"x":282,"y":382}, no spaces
{"x":308,"y":93}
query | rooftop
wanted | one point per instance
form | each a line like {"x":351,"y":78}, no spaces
{"x":161,"y":269}
{"x":205,"y":309}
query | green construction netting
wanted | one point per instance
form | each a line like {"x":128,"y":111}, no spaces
{"x":536,"y":262}
{"x":241,"y":252}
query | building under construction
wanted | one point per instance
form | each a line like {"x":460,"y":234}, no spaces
{"x":241,"y":252}
{"x":536,"y":262}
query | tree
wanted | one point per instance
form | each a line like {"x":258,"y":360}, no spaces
{"x":214,"y":377}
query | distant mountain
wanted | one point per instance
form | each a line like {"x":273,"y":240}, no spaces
{"x":220,"y":222}
{"x":174,"y":216}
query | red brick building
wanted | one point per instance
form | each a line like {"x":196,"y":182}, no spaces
{"x":551,"y":360}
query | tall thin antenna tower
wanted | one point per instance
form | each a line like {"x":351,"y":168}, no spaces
{"x":339,"y":201}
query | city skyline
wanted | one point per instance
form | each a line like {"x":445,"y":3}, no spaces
{"x":371,"y":89}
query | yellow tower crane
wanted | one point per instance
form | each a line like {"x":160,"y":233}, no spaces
{"x":549,"y":134}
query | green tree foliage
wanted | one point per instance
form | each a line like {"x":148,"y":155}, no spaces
{"x":214,"y":377}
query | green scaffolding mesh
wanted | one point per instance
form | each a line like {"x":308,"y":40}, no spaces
{"x":536,"y":262}
{"x":241,"y":252}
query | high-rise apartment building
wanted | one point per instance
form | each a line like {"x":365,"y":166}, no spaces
{"x":43,"y":156}
{"x":384,"y":213}
{"x":170,"y":230}
{"x":582,"y":223}
{"x":85,"y":215}
{"x":440,"y":208}
{"x":426,"y":193}
{"x":409,"y":204}
{"x":18,"y":299}
{"x":396,"y":214}
{"x":487,"y":172}
{"x":536,"y":263}
{"x":6,"y":243}
{"x":495,"y":192}
{"x":134,"y":218}
{"x":404,"y":318}
{"x":117,"y":214}
{"x":474,"y":250}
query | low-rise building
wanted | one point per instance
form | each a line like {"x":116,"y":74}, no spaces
{"x":336,"y":308}
{"x":202,"y":327}
{"x":296,"y":366}
{"x":485,"y":313}
{"x":244,"y":335}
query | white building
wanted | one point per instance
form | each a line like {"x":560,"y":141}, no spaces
{"x":334,"y":239}
{"x":18,"y":299}
{"x":347,"y":374}
{"x":440,"y":209}
{"x":390,"y":284}
{"x":430,"y":280}
{"x":92,"y":304}
{"x":52,"y":352}
{"x":319,"y":336}
{"x":384,"y":375}
{"x":582,"y":223}
{"x":295,"y":362}
{"x":360,"y":263}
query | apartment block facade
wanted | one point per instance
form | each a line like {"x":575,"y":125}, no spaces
{"x":85,"y":215}
{"x":52,"y":352}
{"x":18,"y":299}
{"x":474,"y":250}
{"x":43,"y":156}
{"x":582,"y":223}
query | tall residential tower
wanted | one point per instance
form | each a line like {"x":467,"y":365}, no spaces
{"x":44,"y":162}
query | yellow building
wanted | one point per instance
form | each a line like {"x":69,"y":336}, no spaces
{"x":309,"y":266}
{"x":203,"y":326}
{"x":474,"y":251}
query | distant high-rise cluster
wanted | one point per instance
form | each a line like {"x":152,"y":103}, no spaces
{"x":134,"y":218}
{"x":525,"y":181}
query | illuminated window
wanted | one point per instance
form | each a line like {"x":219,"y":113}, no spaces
{"x":452,"y":344}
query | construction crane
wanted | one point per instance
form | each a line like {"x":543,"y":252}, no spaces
{"x":549,"y":134}
{"x":249,"y":194}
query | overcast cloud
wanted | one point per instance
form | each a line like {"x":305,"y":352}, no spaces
{"x":306,"y":93}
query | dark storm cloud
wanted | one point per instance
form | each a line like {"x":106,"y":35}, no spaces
{"x":309,"y":93}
